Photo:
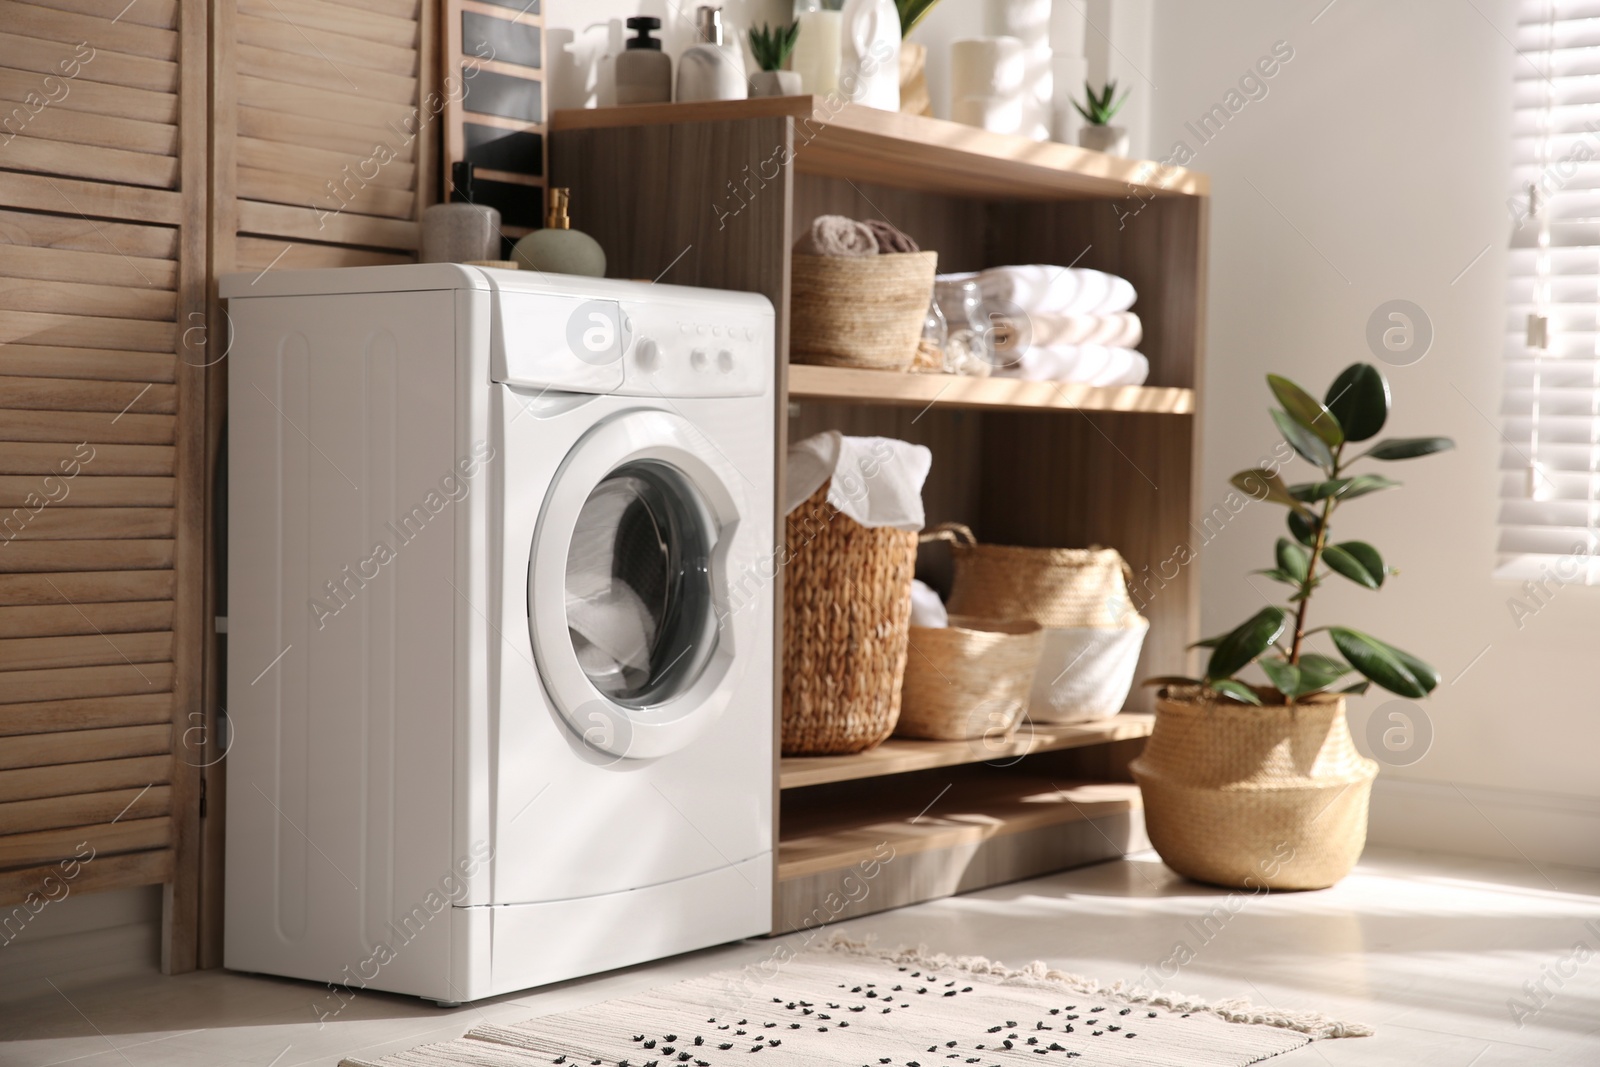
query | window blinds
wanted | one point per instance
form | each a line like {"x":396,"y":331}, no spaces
{"x":1550,"y":460}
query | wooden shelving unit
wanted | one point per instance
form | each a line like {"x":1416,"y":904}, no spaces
{"x":900,"y":755}
{"x":713,"y":195}
{"x":849,"y":386}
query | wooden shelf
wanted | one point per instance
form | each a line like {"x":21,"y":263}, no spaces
{"x":914,"y":152}
{"x":867,"y":859}
{"x":900,"y":755}
{"x":950,"y":390}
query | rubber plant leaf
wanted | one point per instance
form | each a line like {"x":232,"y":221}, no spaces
{"x":1283,"y":674}
{"x":1293,"y":560}
{"x":1359,"y":399}
{"x":1311,"y":447}
{"x":1242,"y":645}
{"x":1343,"y":561}
{"x":1262,"y":484}
{"x":1237,"y":690}
{"x":1304,"y":527}
{"x":1409,"y":447}
{"x":1307,"y":410}
{"x":1388,"y":667}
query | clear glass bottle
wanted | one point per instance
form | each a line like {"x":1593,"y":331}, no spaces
{"x":930,"y":348}
{"x":966,"y":350}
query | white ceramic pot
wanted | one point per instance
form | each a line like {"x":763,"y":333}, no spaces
{"x":775,"y":83}
{"x":1112,"y":140}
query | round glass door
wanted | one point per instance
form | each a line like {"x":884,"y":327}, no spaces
{"x":640,"y":612}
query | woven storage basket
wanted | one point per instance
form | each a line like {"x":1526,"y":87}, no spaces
{"x":1248,"y":797}
{"x":859,"y":311}
{"x":1052,"y":586}
{"x":969,"y":680}
{"x":846,"y":617}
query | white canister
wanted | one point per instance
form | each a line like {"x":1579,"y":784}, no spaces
{"x":817,"y":52}
{"x":869,"y":66}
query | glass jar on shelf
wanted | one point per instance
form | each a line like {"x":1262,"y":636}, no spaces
{"x":930,"y":347}
{"x":966,"y":349}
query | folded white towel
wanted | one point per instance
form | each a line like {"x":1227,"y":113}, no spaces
{"x":1120,"y":329}
{"x":1040,"y":288}
{"x":927,"y":610}
{"x":1084,"y":364}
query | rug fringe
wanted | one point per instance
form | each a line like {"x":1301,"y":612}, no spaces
{"x":1233,"y":1010}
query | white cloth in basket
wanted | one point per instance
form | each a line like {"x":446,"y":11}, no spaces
{"x":927,"y":610}
{"x":877,"y":481}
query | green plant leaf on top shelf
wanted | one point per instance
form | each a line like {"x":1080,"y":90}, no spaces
{"x":1293,"y":560}
{"x":1359,"y":399}
{"x":1357,"y":561}
{"x":1243,"y":644}
{"x":1392,"y":448}
{"x":1262,"y":484}
{"x":912,"y":12}
{"x":771,"y":45}
{"x":1387,"y":666}
{"x":1311,"y":447}
{"x":1307,"y":410}
{"x":1098,"y":109}
{"x":1237,"y":690}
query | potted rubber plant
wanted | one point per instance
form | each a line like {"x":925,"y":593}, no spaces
{"x":771,"y":47}
{"x":1259,"y":785}
{"x":1098,"y":109}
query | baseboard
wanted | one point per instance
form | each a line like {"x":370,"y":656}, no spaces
{"x":1515,"y":824}
{"x":81,"y":938}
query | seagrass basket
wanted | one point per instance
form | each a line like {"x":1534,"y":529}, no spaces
{"x":846,"y":618}
{"x":859,"y":311}
{"x":1055,"y":587}
{"x":969,"y":680}
{"x":1271,"y":797}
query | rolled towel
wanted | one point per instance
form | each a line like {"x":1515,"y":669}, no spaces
{"x":1120,"y":329}
{"x":835,"y":235}
{"x":1082,"y":364}
{"x":1040,"y":288}
{"x":891,"y":239}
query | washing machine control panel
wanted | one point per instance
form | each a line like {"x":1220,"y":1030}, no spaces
{"x":699,"y":349}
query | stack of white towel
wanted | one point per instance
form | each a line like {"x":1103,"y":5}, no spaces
{"x":1080,"y":327}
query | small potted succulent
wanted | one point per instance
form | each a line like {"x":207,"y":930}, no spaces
{"x":771,"y":47}
{"x":1260,"y":785}
{"x":1098,"y":109}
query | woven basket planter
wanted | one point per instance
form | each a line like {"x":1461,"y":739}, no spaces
{"x":969,"y":680}
{"x":846,"y":619}
{"x":1249,"y":797}
{"x":859,"y":311}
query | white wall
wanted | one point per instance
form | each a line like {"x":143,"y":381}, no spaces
{"x":1376,"y":168}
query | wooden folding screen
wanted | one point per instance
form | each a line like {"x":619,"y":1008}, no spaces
{"x":102,"y":282}
{"x":144,"y":150}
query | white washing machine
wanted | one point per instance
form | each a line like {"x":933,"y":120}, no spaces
{"x":500,"y":648}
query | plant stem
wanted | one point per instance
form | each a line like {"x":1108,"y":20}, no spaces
{"x":1311,"y":569}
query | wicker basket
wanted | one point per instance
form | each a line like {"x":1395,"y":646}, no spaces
{"x":1248,"y":797}
{"x":859,"y":311}
{"x":969,"y":680}
{"x":846,"y":617}
{"x":1055,"y":587}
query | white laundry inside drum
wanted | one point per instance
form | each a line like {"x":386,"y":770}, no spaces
{"x":637,"y":586}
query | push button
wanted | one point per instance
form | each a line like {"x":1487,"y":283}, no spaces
{"x":647,"y":355}
{"x":725,"y":361}
{"x":698,"y":359}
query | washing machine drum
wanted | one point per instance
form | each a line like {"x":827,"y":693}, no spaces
{"x":627,"y":586}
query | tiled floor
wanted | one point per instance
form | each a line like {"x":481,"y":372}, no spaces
{"x":1428,"y":949}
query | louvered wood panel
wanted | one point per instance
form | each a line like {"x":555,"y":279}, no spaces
{"x":104,"y":146}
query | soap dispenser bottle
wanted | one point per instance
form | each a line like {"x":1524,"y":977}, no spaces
{"x":558,"y":248}
{"x":643,"y":70}
{"x":712,"y":69}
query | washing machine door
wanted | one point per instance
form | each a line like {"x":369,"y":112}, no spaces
{"x":628,"y":585}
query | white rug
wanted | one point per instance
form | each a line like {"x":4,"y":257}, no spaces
{"x":849,"y":1004}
